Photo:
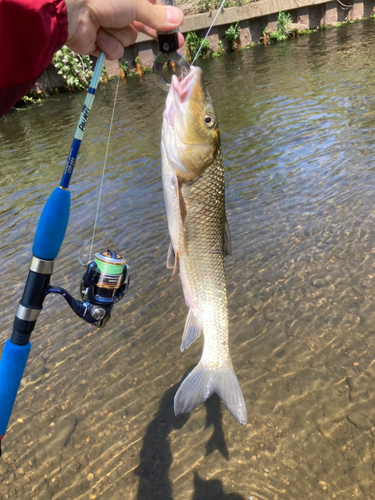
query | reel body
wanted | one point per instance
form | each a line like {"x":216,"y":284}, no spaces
{"x":105,"y":282}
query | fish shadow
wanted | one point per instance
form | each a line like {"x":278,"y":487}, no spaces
{"x":156,"y":454}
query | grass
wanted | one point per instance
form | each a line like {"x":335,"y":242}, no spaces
{"x":193,"y":42}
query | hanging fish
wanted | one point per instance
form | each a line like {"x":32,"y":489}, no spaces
{"x":194,"y":192}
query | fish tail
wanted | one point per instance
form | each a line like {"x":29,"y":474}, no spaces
{"x":202,"y":382}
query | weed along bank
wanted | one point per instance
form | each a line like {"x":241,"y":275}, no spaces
{"x":235,"y":28}
{"x":242,"y":26}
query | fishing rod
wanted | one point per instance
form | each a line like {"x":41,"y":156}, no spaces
{"x":104,"y":282}
{"x":106,"y":279}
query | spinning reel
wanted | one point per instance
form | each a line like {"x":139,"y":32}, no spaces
{"x":104,"y":283}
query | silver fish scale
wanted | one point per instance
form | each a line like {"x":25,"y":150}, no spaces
{"x":200,"y":249}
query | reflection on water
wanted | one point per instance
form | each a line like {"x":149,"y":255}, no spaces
{"x":94,"y":416}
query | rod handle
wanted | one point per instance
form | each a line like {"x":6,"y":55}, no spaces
{"x":12,"y":366}
{"x":52,"y":225}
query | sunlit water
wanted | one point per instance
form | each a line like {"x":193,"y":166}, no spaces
{"x":94,"y":415}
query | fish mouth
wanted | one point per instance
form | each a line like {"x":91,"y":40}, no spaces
{"x":179,"y":94}
{"x":182,"y":86}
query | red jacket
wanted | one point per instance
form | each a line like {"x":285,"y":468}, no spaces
{"x":31,"y":31}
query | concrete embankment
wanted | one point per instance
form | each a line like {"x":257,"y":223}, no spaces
{"x":253,"y":18}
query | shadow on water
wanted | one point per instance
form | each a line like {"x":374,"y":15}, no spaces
{"x":156,"y":455}
{"x":214,"y":418}
{"x":211,"y":490}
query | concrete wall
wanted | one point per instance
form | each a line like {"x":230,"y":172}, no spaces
{"x":253,"y":19}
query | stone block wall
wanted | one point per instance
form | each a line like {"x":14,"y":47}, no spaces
{"x":253,"y":19}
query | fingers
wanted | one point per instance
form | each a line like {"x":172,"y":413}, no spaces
{"x":152,"y":33}
{"x":157,"y":17}
{"x":111,"y":25}
{"x":113,"y":41}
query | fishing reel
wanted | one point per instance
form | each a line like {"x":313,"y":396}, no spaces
{"x":105,"y":282}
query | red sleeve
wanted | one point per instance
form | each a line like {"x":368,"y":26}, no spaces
{"x":31,"y":31}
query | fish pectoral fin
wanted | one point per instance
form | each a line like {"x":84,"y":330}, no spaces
{"x":176,"y":265}
{"x":181,"y":201}
{"x":202,"y":382}
{"x":192,"y":330}
{"x":170,"y":257}
{"x":227,"y":241}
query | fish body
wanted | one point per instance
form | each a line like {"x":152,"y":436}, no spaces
{"x":194,"y":192}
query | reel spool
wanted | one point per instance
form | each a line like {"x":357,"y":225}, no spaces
{"x":104,"y":283}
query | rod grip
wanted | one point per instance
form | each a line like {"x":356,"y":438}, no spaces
{"x":12,"y":366}
{"x":52,"y":225}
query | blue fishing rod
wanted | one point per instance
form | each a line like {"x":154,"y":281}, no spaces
{"x":104,"y":283}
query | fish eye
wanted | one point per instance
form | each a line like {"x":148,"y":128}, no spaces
{"x":209,"y":120}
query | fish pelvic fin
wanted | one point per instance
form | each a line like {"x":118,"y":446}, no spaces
{"x":173,"y":262}
{"x":192,"y":330}
{"x":202,"y":382}
{"x":170,"y":257}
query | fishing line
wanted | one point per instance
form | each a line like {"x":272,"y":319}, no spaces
{"x":208,"y":31}
{"x":104,"y":167}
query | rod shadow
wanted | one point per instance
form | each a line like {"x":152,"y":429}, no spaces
{"x":156,"y":455}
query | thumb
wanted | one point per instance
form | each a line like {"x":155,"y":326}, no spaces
{"x":159,"y":17}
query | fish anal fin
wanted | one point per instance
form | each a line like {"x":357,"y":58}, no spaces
{"x":170,"y":257}
{"x":192,"y":330}
{"x":176,"y":266}
{"x":227,"y":241}
{"x":202,"y":382}
{"x":181,"y":201}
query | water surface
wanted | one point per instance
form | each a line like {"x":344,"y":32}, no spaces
{"x":94,"y":415}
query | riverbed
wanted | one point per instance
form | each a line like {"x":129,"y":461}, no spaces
{"x":94,"y":414}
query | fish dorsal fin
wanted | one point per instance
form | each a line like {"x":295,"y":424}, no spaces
{"x":192,"y":330}
{"x":170,"y":257}
{"x":181,"y":201}
{"x":176,"y":265}
{"x":227,"y":242}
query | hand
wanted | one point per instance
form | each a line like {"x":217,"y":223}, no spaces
{"x":111,"y":25}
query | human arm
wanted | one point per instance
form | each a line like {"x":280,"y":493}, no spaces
{"x":110,"y":26}
{"x":32,"y":30}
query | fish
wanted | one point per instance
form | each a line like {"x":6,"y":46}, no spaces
{"x":194,"y":194}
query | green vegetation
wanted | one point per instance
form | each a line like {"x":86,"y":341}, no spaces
{"x":342,"y":23}
{"x":219,"y":51}
{"x":284,"y":27}
{"x":207,"y":5}
{"x":124,"y":66}
{"x":193,"y":42}
{"x":232,"y":34}
{"x":75,"y":69}
{"x":30,"y":98}
{"x":287,"y":29}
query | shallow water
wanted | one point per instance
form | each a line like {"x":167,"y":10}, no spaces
{"x":94,"y":417}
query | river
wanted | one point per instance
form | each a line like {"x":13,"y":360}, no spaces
{"x":94,"y":414}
